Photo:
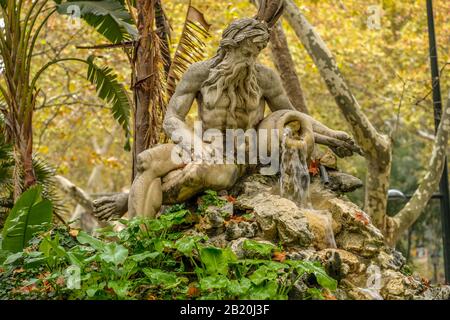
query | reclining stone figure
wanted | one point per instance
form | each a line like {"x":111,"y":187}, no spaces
{"x":232,"y":91}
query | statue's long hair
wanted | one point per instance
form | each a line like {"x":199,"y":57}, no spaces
{"x":234,"y":79}
{"x":237,"y":79}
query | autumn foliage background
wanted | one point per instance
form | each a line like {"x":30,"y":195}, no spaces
{"x":387,"y":69}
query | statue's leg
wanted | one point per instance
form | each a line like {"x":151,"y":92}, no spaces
{"x":177,"y":186}
{"x":180,"y":185}
{"x":142,"y":200}
{"x":145,"y":197}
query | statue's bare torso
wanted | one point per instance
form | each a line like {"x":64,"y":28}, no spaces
{"x":218,"y":115}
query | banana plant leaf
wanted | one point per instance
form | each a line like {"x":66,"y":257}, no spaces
{"x":30,"y":214}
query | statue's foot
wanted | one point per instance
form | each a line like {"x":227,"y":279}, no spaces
{"x":345,"y":149}
{"x":111,"y":207}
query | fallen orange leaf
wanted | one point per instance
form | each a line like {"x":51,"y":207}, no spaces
{"x":74,"y":232}
{"x":193,"y":291}
{"x":329,"y":296}
{"x":426,"y":282}
{"x":60,"y":281}
{"x":43,"y":275}
{"x":314,"y":167}
{"x":362,"y":217}
{"x":279,"y":256}
{"x":28,"y":289}
{"x":238,"y":219}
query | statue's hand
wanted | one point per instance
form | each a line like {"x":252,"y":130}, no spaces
{"x":348,"y":146}
{"x":107,"y":208}
{"x":340,"y":143}
{"x":341,"y":152}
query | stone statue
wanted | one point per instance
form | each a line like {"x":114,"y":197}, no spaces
{"x":232,"y":91}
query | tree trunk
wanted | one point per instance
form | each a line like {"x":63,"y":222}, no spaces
{"x":146,"y":81}
{"x":285,"y":65}
{"x":376,"y":147}
{"x":87,"y":221}
{"x":408,"y":247}
{"x":25,"y":176}
{"x":26,"y":151}
{"x":76,"y":193}
{"x":403,"y":220}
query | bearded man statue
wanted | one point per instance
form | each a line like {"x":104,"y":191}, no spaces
{"x":232,"y":91}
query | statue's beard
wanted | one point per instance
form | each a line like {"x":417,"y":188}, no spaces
{"x":233,"y":80}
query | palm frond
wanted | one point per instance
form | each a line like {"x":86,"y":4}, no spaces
{"x":190,"y":47}
{"x":44,"y":177}
{"x":6,"y":167}
{"x":6,"y":173}
{"x":3,"y":112}
{"x":110,"y":90}
{"x":163,"y":32}
{"x":109,"y":17}
{"x":45,"y":174}
{"x":6,"y":162}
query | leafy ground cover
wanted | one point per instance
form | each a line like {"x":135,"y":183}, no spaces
{"x":150,"y":259}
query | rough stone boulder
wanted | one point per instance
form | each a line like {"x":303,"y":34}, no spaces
{"x":342,"y":182}
{"x":356,"y":233}
{"x":323,"y":227}
{"x":331,"y":230}
{"x":278,"y":218}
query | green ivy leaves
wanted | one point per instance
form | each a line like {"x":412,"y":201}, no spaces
{"x":114,"y":253}
{"x":152,"y":257}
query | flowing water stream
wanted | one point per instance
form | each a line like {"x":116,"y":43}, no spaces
{"x":294,"y":179}
{"x":295,"y":183}
{"x":327,"y":222}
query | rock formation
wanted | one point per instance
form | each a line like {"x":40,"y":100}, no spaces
{"x":333,"y":231}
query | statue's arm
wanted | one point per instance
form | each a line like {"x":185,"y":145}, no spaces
{"x":182,"y":99}
{"x":277,"y":99}
{"x":273,"y":91}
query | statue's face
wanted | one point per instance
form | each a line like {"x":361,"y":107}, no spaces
{"x":251,"y":49}
{"x":247,"y":50}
